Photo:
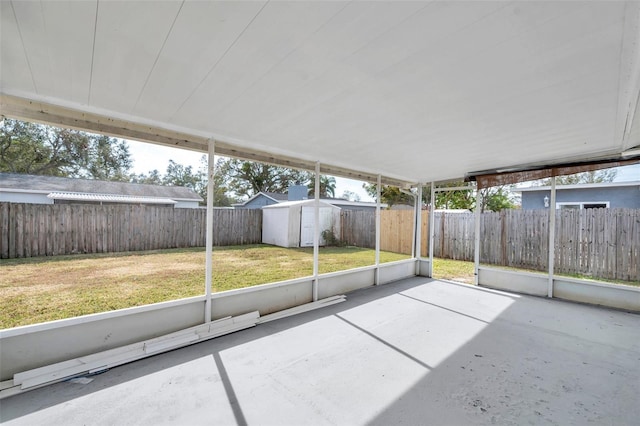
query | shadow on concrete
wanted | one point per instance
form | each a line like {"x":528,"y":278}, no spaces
{"x":456,"y":355}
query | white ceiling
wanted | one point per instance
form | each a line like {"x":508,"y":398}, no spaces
{"x":416,"y":91}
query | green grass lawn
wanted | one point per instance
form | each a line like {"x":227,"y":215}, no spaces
{"x":48,"y":288}
{"x":462,"y":271}
{"x":455,"y":270}
{"x":43,"y":289}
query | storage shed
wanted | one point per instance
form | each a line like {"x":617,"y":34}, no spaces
{"x":290,"y":224}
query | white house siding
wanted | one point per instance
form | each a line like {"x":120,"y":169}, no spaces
{"x":186,"y":204}
{"x":22,"y":197}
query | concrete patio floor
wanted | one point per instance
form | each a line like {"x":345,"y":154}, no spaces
{"x":415,"y":352}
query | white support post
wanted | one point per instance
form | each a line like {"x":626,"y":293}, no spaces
{"x":432,"y":216}
{"x":415,"y":227}
{"x":209,"y":236}
{"x":378,"y":195}
{"x":476,"y":253}
{"x":417,"y":242}
{"x":316,"y":232}
{"x":552,"y":235}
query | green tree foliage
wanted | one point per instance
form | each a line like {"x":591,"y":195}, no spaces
{"x":496,"y":198}
{"x":179,"y":175}
{"x":350,"y":195}
{"x":221,"y":192}
{"x":493,"y":199}
{"x":389,"y":195}
{"x":197,"y":180}
{"x":152,"y":178}
{"x":247,"y":178}
{"x":107,"y":159}
{"x":45,"y":150}
{"x":327,"y":186}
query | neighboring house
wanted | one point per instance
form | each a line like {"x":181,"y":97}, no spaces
{"x":299,"y":193}
{"x":584,"y":196}
{"x":262,"y":199}
{"x":18,"y":188}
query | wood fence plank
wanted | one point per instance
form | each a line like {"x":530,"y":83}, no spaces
{"x":4,"y":230}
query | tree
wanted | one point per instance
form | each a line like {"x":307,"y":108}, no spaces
{"x":45,"y":150}
{"x":247,"y":178}
{"x":327,"y":186}
{"x":496,"y":198}
{"x":221,"y":196}
{"x":179,"y":175}
{"x":493,"y":199}
{"x":107,"y":159}
{"x":350,"y":196}
{"x":152,"y":178}
{"x":389,"y":195}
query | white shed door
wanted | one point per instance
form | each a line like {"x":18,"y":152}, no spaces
{"x":306,"y":224}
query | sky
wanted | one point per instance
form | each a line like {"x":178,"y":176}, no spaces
{"x":147,"y":157}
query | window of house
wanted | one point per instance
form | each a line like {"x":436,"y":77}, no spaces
{"x":583,"y":205}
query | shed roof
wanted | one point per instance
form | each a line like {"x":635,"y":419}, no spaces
{"x":413,"y":91}
{"x":311,"y":202}
{"x":45,"y":184}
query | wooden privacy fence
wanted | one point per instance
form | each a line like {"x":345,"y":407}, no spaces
{"x":54,"y":229}
{"x":602,"y":243}
{"x":396,"y":229}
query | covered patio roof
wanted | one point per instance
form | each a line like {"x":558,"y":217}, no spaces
{"x":413,"y":91}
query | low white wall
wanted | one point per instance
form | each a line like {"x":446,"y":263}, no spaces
{"x":340,"y":283}
{"x":33,"y":346}
{"x":520,"y":282}
{"x":597,"y":293}
{"x":572,"y":289}
{"x":266,"y":298}
{"x":394,"y":271}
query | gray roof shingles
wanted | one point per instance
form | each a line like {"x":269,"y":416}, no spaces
{"x":60,"y":184}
